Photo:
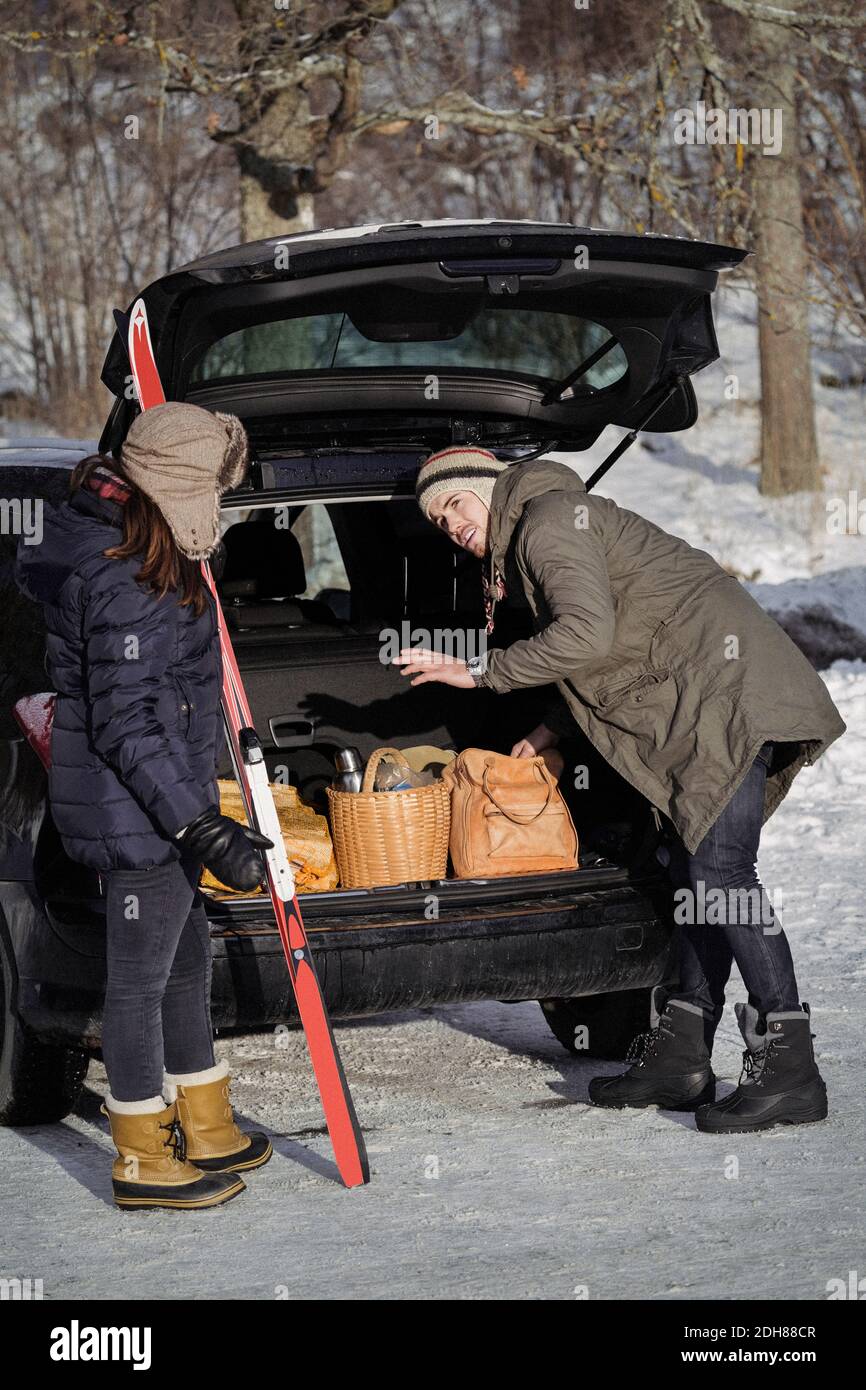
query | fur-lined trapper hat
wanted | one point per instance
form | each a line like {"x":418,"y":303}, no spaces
{"x":184,"y":458}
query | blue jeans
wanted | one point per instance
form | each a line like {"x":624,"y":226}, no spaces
{"x":743,"y":926}
{"x":157,"y":997}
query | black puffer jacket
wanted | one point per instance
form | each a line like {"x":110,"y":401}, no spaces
{"x":137,"y":727}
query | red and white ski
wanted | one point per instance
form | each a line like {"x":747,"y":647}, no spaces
{"x":251,"y":773}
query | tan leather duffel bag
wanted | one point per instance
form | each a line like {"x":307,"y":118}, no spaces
{"x":507,"y":816}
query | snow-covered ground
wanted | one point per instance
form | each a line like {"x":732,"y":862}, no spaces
{"x":492,"y":1175}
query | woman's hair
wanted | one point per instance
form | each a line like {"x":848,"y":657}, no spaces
{"x":146,"y":533}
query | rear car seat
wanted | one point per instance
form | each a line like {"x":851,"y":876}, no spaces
{"x":262,"y":580}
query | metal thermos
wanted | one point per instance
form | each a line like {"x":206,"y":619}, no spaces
{"x":350,"y":770}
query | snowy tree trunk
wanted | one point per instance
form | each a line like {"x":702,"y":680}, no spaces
{"x":789,"y":453}
{"x":258,"y":218}
{"x":276,"y":150}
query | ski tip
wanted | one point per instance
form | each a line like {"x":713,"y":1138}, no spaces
{"x":141,"y":357}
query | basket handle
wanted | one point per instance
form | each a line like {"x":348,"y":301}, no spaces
{"x":515,"y":816}
{"x":373,"y":766}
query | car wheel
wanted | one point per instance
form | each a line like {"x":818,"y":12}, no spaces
{"x":612,"y":1022}
{"x":39,"y":1082}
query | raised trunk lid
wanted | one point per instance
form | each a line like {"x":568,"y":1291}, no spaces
{"x":424,"y":333}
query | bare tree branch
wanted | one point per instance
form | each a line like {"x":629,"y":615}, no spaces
{"x":795,"y":19}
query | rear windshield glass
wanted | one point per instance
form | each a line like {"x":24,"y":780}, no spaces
{"x":530,"y":342}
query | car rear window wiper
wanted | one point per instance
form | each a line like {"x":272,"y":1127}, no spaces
{"x":560,"y":387}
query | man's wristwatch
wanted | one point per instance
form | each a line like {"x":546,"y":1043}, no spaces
{"x":476,"y":666}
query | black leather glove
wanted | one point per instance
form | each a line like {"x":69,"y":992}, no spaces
{"x":230,"y":850}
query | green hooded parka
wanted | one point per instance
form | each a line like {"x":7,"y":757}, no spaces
{"x":664,"y":661}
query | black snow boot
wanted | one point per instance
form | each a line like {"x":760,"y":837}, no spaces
{"x":671,"y":1064}
{"x":780,"y":1083}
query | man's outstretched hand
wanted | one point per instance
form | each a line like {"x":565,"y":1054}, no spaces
{"x":425,"y":665}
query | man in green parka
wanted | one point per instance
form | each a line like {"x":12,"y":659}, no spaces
{"x":696,"y":697}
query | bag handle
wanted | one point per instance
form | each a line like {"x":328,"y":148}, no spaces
{"x":373,"y":765}
{"x":511,"y":815}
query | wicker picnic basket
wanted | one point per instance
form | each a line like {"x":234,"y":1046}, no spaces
{"x":390,"y":837}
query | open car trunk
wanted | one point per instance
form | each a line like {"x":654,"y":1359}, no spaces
{"x":349,"y":354}
{"x":313,"y":656}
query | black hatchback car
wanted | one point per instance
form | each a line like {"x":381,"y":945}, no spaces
{"x":350,"y":355}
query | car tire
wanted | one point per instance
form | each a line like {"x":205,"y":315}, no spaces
{"x":612,"y":1022}
{"x":39,"y":1082}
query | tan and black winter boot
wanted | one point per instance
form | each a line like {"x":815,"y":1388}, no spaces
{"x":151,"y":1169}
{"x":213,"y":1140}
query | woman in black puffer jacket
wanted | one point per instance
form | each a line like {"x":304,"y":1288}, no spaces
{"x":133,"y":654}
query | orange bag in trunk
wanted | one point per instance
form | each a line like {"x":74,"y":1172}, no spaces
{"x":507,"y":816}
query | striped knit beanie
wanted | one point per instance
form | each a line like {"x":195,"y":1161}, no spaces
{"x":462,"y":466}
